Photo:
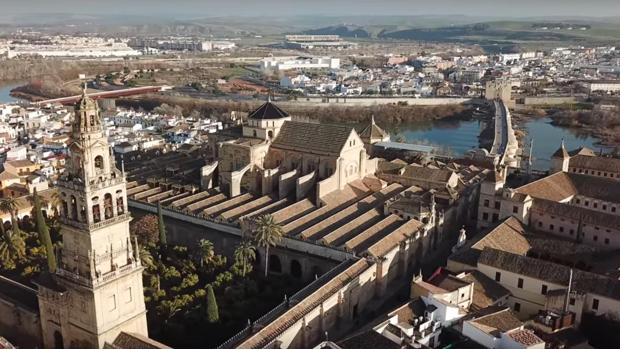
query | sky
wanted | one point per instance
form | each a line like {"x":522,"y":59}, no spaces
{"x":208,"y":8}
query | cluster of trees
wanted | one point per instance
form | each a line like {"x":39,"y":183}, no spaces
{"x":386,"y":113}
{"x":26,"y":249}
{"x":602,"y":122}
{"x":194,"y":292}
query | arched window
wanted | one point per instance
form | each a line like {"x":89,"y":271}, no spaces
{"x":107,"y":206}
{"x":274,"y":264}
{"x":92,"y":120}
{"x":65,"y":208}
{"x":296,"y":269}
{"x":270,"y":134}
{"x":254,"y":133}
{"x":96,"y":213}
{"x":99,"y":162}
{"x":58,"y":341}
{"x":74,"y":209}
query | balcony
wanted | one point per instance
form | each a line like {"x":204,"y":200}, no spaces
{"x":93,"y":226}
{"x":99,"y":279}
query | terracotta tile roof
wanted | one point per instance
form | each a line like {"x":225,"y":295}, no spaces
{"x":368,"y":340}
{"x":387,"y":243}
{"x":582,"y":151}
{"x":373,"y":234}
{"x":323,"y":139}
{"x":297,"y":312}
{"x":410,"y":311}
{"x":6,"y":175}
{"x":556,"y":187}
{"x":372,"y":131}
{"x":127,"y":340}
{"x":525,"y":337}
{"x":268,"y":111}
{"x":426,"y":173}
{"x":20,"y":163}
{"x":497,"y":323}
{"x":507,"y":236}
{"x":601,"y":188}
{"x":584,"y":282}
{"x":486,"y":290}
{"x":586,"y":216}
{"x":561,"y":153}
{"x":596,"y":163}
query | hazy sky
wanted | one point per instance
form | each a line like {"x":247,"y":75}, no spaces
{"x":204,"y":8}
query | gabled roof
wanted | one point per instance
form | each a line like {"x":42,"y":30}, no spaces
{"x":373,"y":131}
{"x":312,"y":138}
{"x":127,"y":340}
{"x":556,"y":187}
{"x":596,"y":163}
{"x":583,"y":282}
{"x":497,"y":323}
{"x":561,"y":153}
{"x":268,"y":111}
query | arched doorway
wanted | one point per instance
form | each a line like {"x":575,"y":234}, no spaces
{"x":296,"y":269}
{"x":58,"y":341}
{"x":275,"y":266}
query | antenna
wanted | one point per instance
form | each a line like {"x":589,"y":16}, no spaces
{"x":570,"y":281}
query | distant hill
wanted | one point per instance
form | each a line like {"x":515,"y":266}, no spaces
{"x":341,"y":30}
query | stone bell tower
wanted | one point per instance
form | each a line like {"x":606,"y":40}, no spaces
{"x":96,"y":292}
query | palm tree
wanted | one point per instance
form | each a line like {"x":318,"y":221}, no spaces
{"x":12,"y":249}
{"x":268,"y":233}
{"x":9,"y":205}
{"x":244,"y":255}
{"x":146,"y":258}
{"x":207,"y":252}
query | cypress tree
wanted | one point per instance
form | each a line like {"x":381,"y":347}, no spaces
{"x":213,"y":314}
{"x":163,"y":240}
{"x":44,"y":233}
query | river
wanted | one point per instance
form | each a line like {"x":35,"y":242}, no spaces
{"x":5,"y":91}
{"x":461,"y":136}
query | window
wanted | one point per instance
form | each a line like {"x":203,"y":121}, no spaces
{"x":129,"y":297}
{"x":595,"y":205}
{"x":606,"y":241}
{"x":594,"y":304}
{"x":495,"y":217}
{"x":571,"y":301}
{"x":520,"y":283}
{"x":613,"y":209}
{"x":543,"y":289}
{"x":587,"y":203}
{"x":112,"y":302}
{"x":485,"y":216}
{"x":571,"y":232}
{"x":604,"y":207}
{"x":498,"y":276}
{"x":595,"y":238}
{"x":517,"y":307}
{"x":486,"y":203}
{"x":540,"y":224}
{"x":497,"y":205}
{"x":561,"y":229}
{"x":515,"y":209}
{"x":551,"y":227}
{"x":578,"y":201}
{"x":99,"y":162}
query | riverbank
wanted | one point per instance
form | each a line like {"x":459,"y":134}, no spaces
{"x":387,"y":114}
{"x":583,"y":122}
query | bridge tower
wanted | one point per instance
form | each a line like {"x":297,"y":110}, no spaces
{"x":96,"y":292}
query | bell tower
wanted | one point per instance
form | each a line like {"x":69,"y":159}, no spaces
{"x":96,"y":292}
